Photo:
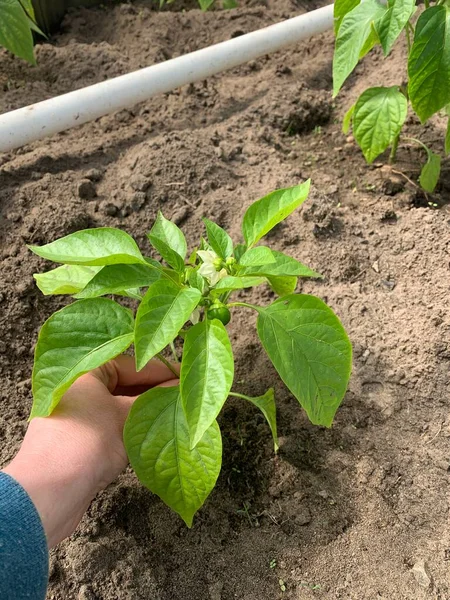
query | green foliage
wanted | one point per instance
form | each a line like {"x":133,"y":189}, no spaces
{"x":380,"y":112}
{"x":164,"y":310}
{"x":171,"y":435}
{"x":429,"y":62}
{"x":347,"y":121}
{"x":67,"y":279}
{"x":16,"y":26}
{"x":158,"y":445}
{"x":340,"y":10}
{"x":309,"y":349}
{"x":266,"y":405}
{"x":431,"y":170}
{"x":378,"y":118}
{"x":393,"y":22}
{"x":354,"y":33}
{"x":218,"y":239}
{"x":447,"y":138}
{"x":73,"y":341}
{"x":205,"y":4}
{"x":93,"y":247}
{"x":263,"y":215}
{"x":284,"y":285}
{"x":206,"y":375}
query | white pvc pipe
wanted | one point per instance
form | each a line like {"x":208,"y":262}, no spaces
{"x":25,"y":125}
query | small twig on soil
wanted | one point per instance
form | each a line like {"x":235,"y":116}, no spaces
{"x":176,"y":183}
{"x":188,"y":202}
{"x":271,"y":517}
{"x":436,"y":435}
{"x":358,"y":276}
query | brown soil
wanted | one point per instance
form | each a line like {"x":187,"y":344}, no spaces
{"x":342,"y":513}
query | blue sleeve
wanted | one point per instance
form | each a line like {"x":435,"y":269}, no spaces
{"x":23,"y":546}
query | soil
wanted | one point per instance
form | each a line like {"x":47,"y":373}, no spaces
{"x":341,"y":513}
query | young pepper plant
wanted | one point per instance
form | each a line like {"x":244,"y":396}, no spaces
{"x":379,"y":113}
{"x":171,"y":435}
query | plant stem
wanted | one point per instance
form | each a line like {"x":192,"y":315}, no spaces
{"x":174,"y":352}
{"x":257,"y":308}
{"x":393,"y":154}
{"x":236,"y":395}
{"x":168,"y":365}
{"x":416,"y":141}
{"x":427,"y":4}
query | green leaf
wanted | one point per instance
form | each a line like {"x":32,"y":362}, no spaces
{"x":447,"y":138}
{"x":169,"y":241}
{"x":170,"y":256}
{"x":266,"y":405}
{"x":28,"y":6}
{"x":157,"y":442}
{"x":73,"y":341}
{"x":15,"y":31}
{"x":196,"y":280}
{"x":68,"y":279}
{"x":130,"y":293}
{"x":311,"y":352}
{"x":239,"y":250}
{"x":227,"y":4}
{"x":284,"y":265}
{"x":228,"y":284}
{"x":380,"y":113}
{"x":31,"y":18}
{"x":370,"y":42}
{"x":283,"y":286}
{"x":392,"y":23}
{"x":34,"y":27}
{"x":431,"y":171}
{"x":205,"y":4}
{"x":429,"y":62}
{"x":163,"y":311}
{"x":113,"y":279}
{"x":173,"y":275}
{"x":354,"y":31}
{"x":218,"y":239}
{"x":261,"y":255}
{"x":98,"y":247}
{"x":170,"y":234}
{"x":346,"y":123}
{"x":206,"y":376}
{"x":264,"y":214}
{"x":341,"y":8}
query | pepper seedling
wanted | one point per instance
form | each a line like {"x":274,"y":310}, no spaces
{"x":171,"y":435}
{"x":380,"y":112}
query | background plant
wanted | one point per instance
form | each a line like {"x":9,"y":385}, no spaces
{"x":379,"y":113}
{"x":17,"y":23}
{"x":205,"y":4}
{"x":171,"y":435}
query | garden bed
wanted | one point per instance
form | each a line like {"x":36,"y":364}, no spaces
{"x":342,"y":513}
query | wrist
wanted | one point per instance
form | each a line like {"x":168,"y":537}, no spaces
{"x":61,"y":484}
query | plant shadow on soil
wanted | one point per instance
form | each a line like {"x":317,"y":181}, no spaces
{"x":341,"y":513}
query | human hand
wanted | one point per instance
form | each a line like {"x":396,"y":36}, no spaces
{"x":67,"y":458}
